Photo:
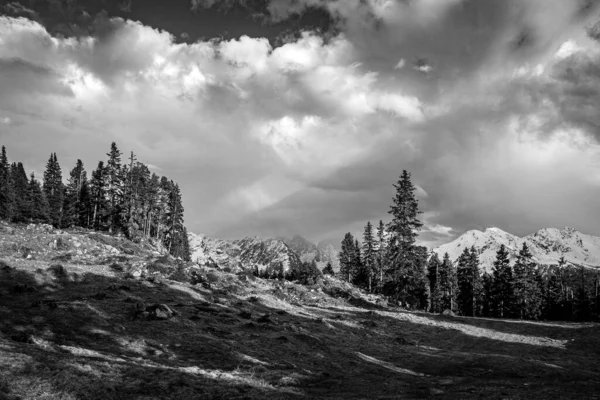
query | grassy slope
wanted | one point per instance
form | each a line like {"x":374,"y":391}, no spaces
{"x":72,"y":336}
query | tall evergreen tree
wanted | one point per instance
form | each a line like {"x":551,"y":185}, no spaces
{"x":369,"y":259}
{"x":20,"y":192}
{"x":406,"y":280}
{"x":37,"y":201}
{"x":114,"y":187}
{"x":98,"y":197}
{"x":465,"y":283}
{"x":75,"y":193}
{"x":6,"y":194}
{"x":361,"y":274}
{"x":381,"y":253}
{"x":54,"y":190}
{"x":477,"y":283}
{"x":502,"y":284}
{"x":347,"y":258}
{"x":433,"y":273}
{"x":469,"y":283}
{"x":448,"y":284}
{"x":526,"y":291}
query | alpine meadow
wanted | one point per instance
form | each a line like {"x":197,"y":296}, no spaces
{"x":299,"y":199}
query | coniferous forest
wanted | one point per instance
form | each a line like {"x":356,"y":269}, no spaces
{"x":389,"y":262}
{"x":120,"y":196}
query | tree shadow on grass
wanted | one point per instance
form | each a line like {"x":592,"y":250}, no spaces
{"x":72,"y":335}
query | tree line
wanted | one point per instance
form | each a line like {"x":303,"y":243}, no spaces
{"x":389,"y":262}
{"x":120,"y":197}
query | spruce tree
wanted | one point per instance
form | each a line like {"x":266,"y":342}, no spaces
{"x":98,"y":197}
{"x":526,"y":292}
{"x":54,"y":190}
{"x":502,"y":284}
{"x":381,"y":253}
{"x":6,"y":190}
{"x":433,"y":273}
{"x":465,"y":283}
{"x":20,"y":193}
{"x":328,"y":270}
{"x":74,"y":192}
{"x":477,"y":283}
{"x":369,"y":257}
{"x":346,"y":257}
{"x":361,"y":274}
{"x":448,"y":284}
{"x":114,"y":187}
{"x":37,"y":201}
{"x":406,"y":280}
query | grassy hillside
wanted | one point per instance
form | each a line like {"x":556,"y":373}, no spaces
{"x":130,"y":324}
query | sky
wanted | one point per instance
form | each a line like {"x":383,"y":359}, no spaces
{"x":282,"y":117}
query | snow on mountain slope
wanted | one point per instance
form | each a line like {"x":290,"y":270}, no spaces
{"x":245,"y":253}
{"x":546,"y":245}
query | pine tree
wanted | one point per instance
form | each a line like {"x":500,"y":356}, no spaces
{"x":465,"y":283}
{"x":114,"y":187}
{"x":328,"y":270}
{"x":477,"y":283}
{"x":381,"y":253}
{"x":448,"y":284}
{"x":526,"y":291}
{"x":346,"y":257}
{"x":502,"y":291}
{"x":433,"y":273}
{"x":369,"y":259}
{"x":405,"y":279}
{"x":6,"y":193}
{"x":37,"y":201}
{"x":98,"y":197}
{"x":54,"y":190}
{"x":74,"y":205}
{"x":20,"y":192}
{"x":487,"y":283}
{"x":361,"y":274}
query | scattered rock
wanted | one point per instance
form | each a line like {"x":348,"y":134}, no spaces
{"x":116,"y":267}
{"x":57,"y":270}
{"x":153,"y":312}
{"x":245,"y":314}
{"x":265,"y":319}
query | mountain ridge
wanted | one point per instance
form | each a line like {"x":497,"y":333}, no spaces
{"x":547,"y":246}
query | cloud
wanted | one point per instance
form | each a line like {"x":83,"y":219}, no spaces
{"x":308,"y":135}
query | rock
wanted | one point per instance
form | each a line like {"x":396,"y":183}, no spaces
{"x":245,"y":314}
{"x":265,"y":319}
{"x":446,"y":382}
{"x":437,"y":392}
{"x":153,"y":312}
{"x":57,"y":270}
{"x":449,"y":313}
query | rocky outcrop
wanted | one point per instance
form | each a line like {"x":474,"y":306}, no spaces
{"x":244,"y":254}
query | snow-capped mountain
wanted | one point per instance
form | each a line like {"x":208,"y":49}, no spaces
{"x":245,"y":253}
{"x":546,"y":245}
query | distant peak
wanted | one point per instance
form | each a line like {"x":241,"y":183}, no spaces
{"x":494,"y":230}
{"x":569,"y":230}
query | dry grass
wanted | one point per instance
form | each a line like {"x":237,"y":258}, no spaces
{"x":72,"y":336}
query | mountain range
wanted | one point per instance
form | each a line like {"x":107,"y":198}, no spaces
{"x":263,"y":253}
{"x":546,"y":245}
